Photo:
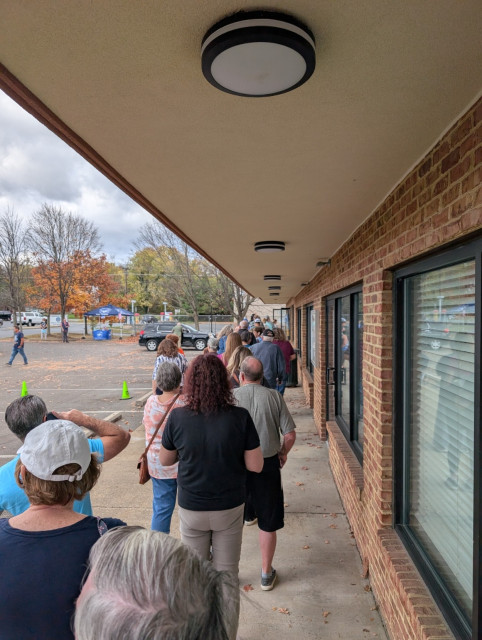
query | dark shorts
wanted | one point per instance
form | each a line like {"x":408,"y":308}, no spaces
{"x":265,"y":496}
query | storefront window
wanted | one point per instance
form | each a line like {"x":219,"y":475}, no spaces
{"x":438,"y":367}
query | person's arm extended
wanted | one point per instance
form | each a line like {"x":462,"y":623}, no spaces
{"x":114,"y":438}
{"x":253,"y":459}
{"x":288,"y":442}
{"x":167,"y":457}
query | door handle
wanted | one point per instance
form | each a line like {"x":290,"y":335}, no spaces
{"x":330,"y":371}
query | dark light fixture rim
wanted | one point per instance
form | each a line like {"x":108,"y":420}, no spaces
{"x":240,"y":16}
{"x":272,"y":277}
{"x":279,"y":245}
{"x":277,"y":287}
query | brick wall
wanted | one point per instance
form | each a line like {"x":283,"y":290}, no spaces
{"x":438,"y":202}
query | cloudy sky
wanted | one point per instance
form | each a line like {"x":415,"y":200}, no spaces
{"x":37,"y":167}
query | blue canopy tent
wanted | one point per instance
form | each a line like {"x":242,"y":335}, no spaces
{"x":103,"y":312}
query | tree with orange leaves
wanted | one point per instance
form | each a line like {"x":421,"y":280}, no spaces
{"x":67,"y":274}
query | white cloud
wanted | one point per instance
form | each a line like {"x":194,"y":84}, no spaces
{"x":37,"y":167}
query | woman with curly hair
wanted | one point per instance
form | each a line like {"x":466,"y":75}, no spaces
{"x":167,"y":351}
{"x":232,"y":343}
{"x":215,"y":443}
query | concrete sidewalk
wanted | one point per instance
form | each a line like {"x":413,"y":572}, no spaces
{"x":320,"y":593}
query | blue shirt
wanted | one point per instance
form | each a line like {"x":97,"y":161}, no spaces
{"x":17,"y":339}
{"x":41,"y":577}
{"x":14,"y":499}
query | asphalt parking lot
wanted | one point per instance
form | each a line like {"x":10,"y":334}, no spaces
{"x":84,"y":374}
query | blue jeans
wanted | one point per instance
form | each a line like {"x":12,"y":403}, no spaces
{"x":164,"y":491}
{"x":281,"y":387}
{"x":15,"y":351}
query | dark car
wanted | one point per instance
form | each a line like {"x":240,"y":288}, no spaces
{"x":152,"y":334}
{"x":5,"y":315}
{"x":149,"y":319}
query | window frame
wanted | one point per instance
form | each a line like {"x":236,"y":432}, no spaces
{"x":299,"y":332}
{"x":350,"y":431}
{"x":310,"y":365}
{"x":456,"y":619}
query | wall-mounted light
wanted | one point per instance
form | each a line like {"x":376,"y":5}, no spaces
{"x":323,"y":262}
{"x":305,"y":284}
{"x":269,"y":246}
{"x":272,"y":277}
{"x":258,"y":53}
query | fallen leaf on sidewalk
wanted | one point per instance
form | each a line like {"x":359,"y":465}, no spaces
{"x":283,"y":610}
{"x":327,"y":542}
{"x":334,"y":515}
{"x":286,"y":504}
{"x":304,"y":468}
{"x":333,"y":526}
{"x":248,"y":587}
{"x":307,"y":546}
{"x":326,"y":613}
{"x":300,"y":484}
{"x":367,"y":587}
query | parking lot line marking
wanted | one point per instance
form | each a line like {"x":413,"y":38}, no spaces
{"x":96,"y":389}
{"x":7,"y":455}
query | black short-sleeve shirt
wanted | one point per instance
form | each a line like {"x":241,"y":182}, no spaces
{"x":212,"y":473}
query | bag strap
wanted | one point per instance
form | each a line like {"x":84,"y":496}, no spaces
{"x":160,"y":423}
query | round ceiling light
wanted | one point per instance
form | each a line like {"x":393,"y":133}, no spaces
{"x":269,"y":246}
{"x":258,"y":53}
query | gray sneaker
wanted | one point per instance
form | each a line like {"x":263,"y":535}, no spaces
{"x":268,"y":583}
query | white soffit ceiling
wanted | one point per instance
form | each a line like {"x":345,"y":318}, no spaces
{"x":306,"y":167}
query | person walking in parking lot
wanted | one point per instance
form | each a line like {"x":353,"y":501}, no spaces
{"x":18,"y":343}
{"x":65,"y":330}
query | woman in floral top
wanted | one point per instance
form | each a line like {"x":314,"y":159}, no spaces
{"x":164,"y":479}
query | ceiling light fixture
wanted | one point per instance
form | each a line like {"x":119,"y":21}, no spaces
{"x":269,"y":246}
{"x":258,"y":53}
{"x":272,"y":277}
{"x":305,"y":284}
{"x":274,"y":294}
{"x":274,"y":287}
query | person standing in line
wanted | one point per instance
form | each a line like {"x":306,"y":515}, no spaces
{"x":264,"y":491}
{"x":164,"y":478}
{"x":272,"y":358}
{"x":43,"y":329}
{"x":288,"y":353}
{"x":65,"y":330}
{"x":216,"y":443}
{"x":18,"y":344}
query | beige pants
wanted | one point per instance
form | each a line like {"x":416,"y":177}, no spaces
{"x":218,"y":531}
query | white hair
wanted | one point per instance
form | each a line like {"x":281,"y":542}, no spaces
{"x":150,"y":586}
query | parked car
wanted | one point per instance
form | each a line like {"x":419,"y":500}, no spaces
{"x":5,"y":315}
{"x":149,"y":319}
{"x":152,"y":334}
{"x":30,"y":318}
